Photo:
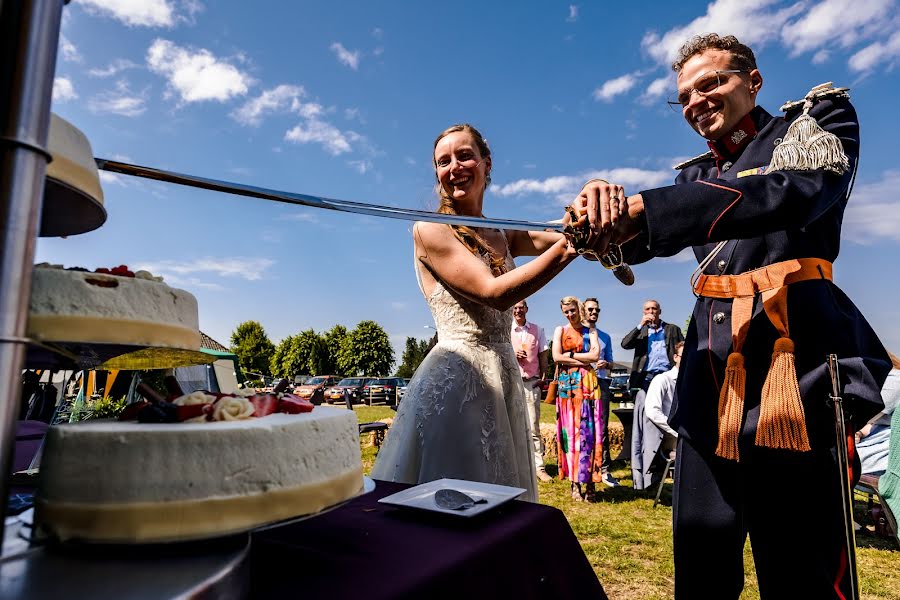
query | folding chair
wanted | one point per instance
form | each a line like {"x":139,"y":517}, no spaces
{"x":377,"y":428}
{"x":868,"y":486}
{"x":668,"y":471}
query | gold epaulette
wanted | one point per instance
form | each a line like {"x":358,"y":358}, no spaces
{"x":821,"y":91}
{"x":693,"y":161}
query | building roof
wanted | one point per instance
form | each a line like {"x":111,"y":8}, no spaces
{"x":211,"y":344}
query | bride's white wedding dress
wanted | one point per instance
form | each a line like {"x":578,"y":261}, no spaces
{"x":463,"y":415}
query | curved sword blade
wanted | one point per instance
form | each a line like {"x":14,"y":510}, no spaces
{"x":360,"y":208}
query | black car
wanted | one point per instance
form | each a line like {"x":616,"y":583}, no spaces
{"x":382,"y":390}
{"x":353,"y":384}
{"x":619,"y":388}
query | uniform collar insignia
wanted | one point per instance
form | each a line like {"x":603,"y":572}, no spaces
{"x":735,"y":140}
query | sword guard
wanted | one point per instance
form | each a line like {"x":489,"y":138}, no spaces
{"x":612,"y":259}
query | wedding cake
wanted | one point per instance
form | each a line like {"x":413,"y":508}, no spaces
{"x":116,"y":481}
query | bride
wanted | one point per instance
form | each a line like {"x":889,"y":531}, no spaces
{"x":463,"y":415}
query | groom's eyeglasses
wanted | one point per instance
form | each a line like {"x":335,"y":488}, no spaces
{"x":704,"y":85}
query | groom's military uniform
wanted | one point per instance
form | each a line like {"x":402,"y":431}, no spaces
{"x":776,"y":221}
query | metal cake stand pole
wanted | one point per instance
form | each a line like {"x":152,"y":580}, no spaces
{"x":29,"y":36}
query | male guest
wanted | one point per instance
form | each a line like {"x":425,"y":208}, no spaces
{"x":531,"y":347}
{"x":659,"y":437}
{"x":602,"y":367}
{"x":653,"y":342}
{"x":763,"y":211}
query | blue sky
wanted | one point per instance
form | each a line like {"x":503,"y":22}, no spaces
{"x":344,"y":99}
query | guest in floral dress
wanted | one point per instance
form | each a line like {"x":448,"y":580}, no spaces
{"x":579,"y":419}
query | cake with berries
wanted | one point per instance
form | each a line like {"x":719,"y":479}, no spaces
{"x":110,"y":306}
{"x":220,"y":469}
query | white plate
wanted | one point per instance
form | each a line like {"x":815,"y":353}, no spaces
{"x":421,"y":497}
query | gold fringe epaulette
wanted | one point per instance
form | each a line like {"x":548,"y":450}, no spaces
{"x":806,"y":146}
{"x":693,"y":161}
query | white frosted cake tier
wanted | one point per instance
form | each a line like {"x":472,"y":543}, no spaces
{"x":134,"y":482}
{"x":76,"y":306}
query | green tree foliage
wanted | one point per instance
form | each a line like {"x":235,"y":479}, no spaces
{"x":366,"y":350}
{"x":305,"y":354}
{"x":279,"y":365}
{"x":413,"y":355}
{"x":334,"y":339}
{"x":253,"y":347}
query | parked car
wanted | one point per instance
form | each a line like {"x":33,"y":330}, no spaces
{"x":314,"y":388}
{"x":381,"y":390}
{"x":353,"y":384}
{"x":620,"y":390}
{"x":401,"y":391}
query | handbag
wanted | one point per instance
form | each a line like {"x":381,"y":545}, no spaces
{"x":550,"y":398}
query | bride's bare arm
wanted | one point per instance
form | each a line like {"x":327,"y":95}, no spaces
{"x":451,"y":262}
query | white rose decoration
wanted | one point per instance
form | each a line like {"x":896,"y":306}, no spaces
{"x":231,"y":408}
{"x":197,"y":397}
{"x":245,"y":392}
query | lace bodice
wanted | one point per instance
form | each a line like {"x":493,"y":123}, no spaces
{"x":459,"y":319}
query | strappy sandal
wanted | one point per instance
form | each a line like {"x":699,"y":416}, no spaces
{"x":577,"y":496}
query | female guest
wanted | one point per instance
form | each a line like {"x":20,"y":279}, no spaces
{"x":463,"y":415}
{"x":579,"y":419}
{"x":873,"y":438}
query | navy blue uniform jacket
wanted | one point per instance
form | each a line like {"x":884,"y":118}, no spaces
{"x":768,"y":218}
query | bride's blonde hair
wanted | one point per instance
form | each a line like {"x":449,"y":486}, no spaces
{"x":471,"y":240}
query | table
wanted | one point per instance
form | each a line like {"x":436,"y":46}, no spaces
{"x":372,"y":551}
{"x":626,"y":416}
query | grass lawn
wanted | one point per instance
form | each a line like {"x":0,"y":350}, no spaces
{"x":629,"y":543}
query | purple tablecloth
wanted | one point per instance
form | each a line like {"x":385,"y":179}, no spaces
{"x":371,"y":551}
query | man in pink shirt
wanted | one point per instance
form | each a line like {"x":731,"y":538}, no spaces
{"x":531,"y":348}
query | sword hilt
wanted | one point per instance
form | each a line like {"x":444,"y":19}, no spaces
{"x":612,"y":259}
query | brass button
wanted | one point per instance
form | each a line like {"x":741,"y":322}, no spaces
{"x":721,"y":266}
{"x":719,"y":317}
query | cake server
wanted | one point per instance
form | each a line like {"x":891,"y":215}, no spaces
{"x":612,"y":259}
{"x":451,"y":499}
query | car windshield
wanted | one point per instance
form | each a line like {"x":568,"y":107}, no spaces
{"x":316,"y":381}
{"x":382,"y":382}
{"x":620,"y":380}
{"x":349,"y":382}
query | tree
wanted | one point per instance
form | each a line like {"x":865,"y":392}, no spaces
{"x":413,"y":355}
{"x":306,"y":354}
{"x":279,"y":365}
{"x":334,"y":338}
{"x":252,"y":347}
{"x":366,"y":351}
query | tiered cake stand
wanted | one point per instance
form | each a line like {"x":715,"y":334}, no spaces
{"x":62,"y":199}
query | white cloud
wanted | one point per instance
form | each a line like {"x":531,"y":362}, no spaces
{"x":754,"y":22}
{"x":834,"y":21}
{"x":108,"y":178}
{"x":68,"y":50}
{"x":361,"y":166}
{"x":120,"y":101}
{"x":657,"y":89}
{"x":134,"y":13}
{"x":573,"y":13}
{"x":196,"y":75}
{"x":282,"y":98}
{"x":821,"y":57}
{"x":113,"y":68}
{"x":251,"y":269}
{"x":351,"y":59}
{"x":63,"y":90}
{"x":873,"y":213}
{"x":876,"y":54}
{"x":321,"y":132}
{"x":615,"y":87}
{"x":566,"y":187}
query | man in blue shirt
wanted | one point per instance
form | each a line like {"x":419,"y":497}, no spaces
{"x":602,"y":367}
{"x":653,"y":342}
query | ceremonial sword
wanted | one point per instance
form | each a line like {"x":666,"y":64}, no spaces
{"x":843,"y":464}
{"x":611,"y":259}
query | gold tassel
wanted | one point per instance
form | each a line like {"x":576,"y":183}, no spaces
{"x":731,"y":407}
{"x":782,"y":421}
{"x":806,"y":146}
